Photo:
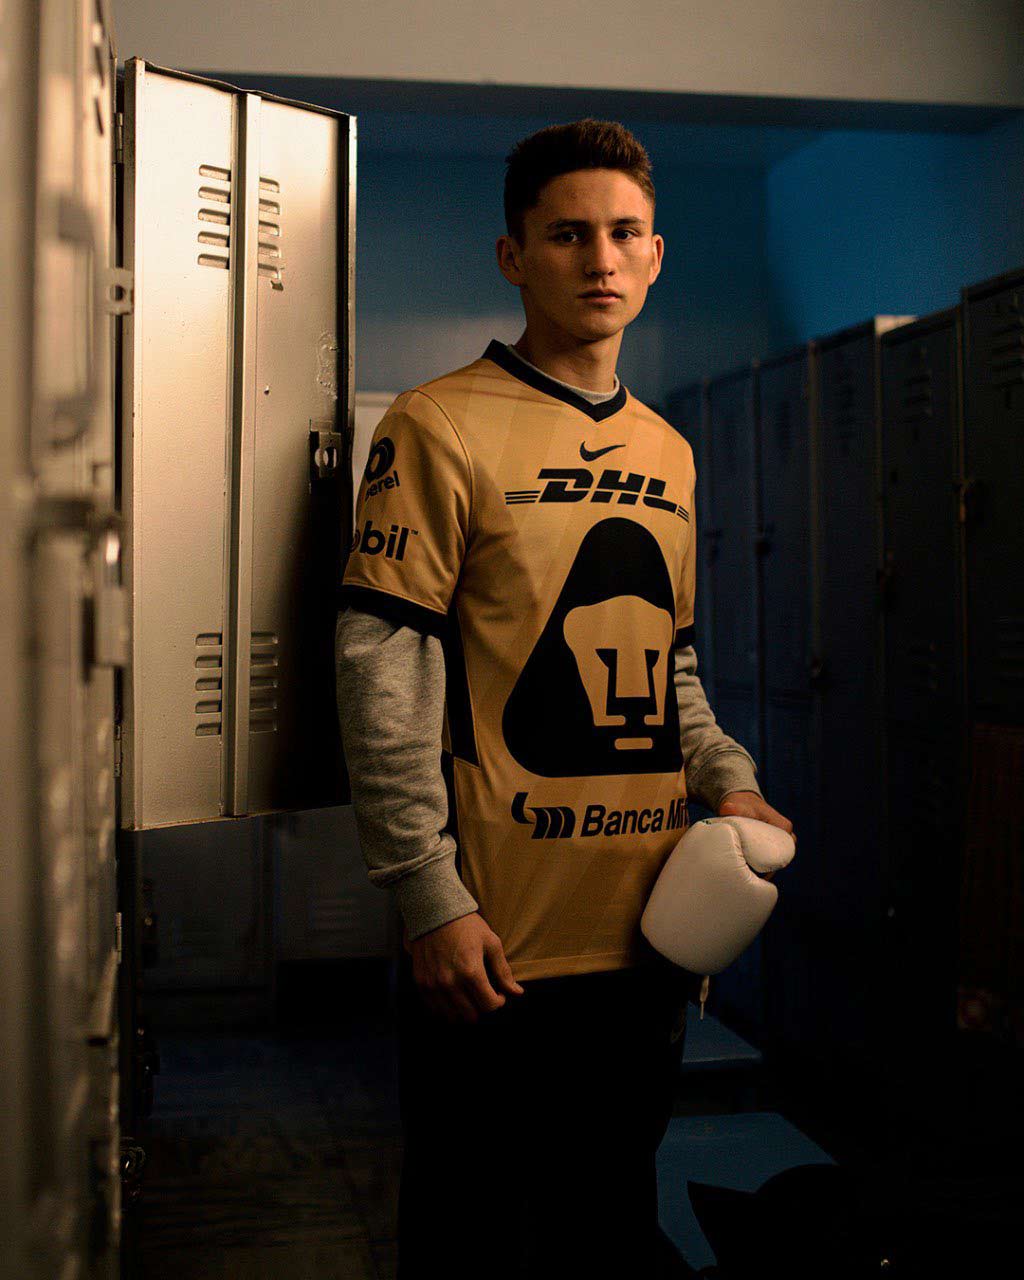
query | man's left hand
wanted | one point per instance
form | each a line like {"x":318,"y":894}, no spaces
{"x":748,"y":804}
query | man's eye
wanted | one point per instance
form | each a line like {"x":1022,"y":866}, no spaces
{"x":562,"y":234}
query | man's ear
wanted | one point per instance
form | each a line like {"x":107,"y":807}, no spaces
{"x":657,"y":255}
{"x":508,"y":251}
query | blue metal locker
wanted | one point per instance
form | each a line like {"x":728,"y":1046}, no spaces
{"x":732,"y":531}
{"x":687,"y":413}
{"x":731,"y":415}
{"x":785,"y":563}
{"x":850,"y":914}
{"x":994,"y":494}
{"x":788,"y":767}
{"x":991,"y":956}
{"x":924,"y":670}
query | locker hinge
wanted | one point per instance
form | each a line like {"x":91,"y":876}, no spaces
{"x":119,"y":138}
{"x":117,"y":750}
{"x":118,"y":936}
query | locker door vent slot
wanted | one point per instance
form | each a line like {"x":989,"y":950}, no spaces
{"x":927,"y":796}
{"x":918,"y":398}
{"x":331,"y":915}
{"x":263,"y":681}
{"x":270,"y":264}
{"x":215,"y":195}
{"x":924,"y":668}
{"x":846,"y":399}
{"x":209,"y":660}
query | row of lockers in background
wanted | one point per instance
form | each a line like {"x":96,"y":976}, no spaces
{"x":860,"y":613}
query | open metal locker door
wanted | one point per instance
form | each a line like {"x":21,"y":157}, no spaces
{"x":236,"y":437}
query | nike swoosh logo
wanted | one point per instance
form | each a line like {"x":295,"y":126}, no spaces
{"x":587,"y":456}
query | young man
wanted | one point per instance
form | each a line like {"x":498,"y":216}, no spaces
{"x":523,"y":724}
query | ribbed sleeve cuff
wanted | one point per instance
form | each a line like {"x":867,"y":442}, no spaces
{"x":725,"y":771}
{"x":432,"y":896}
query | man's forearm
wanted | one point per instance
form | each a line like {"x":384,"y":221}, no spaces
{"x":390,"y":691}
{"x":715,"y":763}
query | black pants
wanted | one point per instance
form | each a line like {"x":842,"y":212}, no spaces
{"x":530,"y":1136}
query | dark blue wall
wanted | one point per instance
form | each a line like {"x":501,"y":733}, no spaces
{"x":758,"y":255}
{"x":866,"y":223}
{"x":430,"y":295}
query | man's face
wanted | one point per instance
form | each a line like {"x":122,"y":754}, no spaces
{"x":591,"y":230}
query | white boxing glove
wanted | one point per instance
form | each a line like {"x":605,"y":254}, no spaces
{"x":711,"y":899}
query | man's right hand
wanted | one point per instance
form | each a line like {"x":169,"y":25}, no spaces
{"x":454,"y":966}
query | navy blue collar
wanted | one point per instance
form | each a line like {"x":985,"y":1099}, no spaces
{"x":518,"y":368}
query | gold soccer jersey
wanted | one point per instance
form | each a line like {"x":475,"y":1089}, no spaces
{"x":550,"y":543}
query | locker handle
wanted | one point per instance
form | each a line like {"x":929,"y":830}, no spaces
{"x":75,"y":225}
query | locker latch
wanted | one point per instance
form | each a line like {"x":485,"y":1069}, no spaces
{"x":108,"y":630}
{"x":123,"y":281}
{"x":324,"y":446}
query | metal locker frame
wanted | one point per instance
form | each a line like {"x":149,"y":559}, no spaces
{"x":219,"y":714}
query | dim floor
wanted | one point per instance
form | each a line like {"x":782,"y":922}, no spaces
{"x":277,"y":1153}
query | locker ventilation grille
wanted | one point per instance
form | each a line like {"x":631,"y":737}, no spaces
{"x":1006,"y":354}
{"x":847,"y":408}
{"x":332,"y":915}
{"x":209,"y":682}
{"x":263,"y":680}
{"x":215,"y":212}
{"x":923,"y":667}
{"x":918,"y":398}
{"x":927,"y":796}
{"x":270,"y":263}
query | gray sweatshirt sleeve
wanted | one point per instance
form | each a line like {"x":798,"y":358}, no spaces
{"x":715,"y":763}
{"x":390,"y":688}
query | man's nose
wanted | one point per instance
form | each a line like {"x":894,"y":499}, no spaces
{"x":601,"y":259}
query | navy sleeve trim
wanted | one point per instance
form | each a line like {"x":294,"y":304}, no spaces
{"x":404,"y":613}
{"x":685,"y":636}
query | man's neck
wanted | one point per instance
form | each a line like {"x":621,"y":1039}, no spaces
{"x":590,"y":365}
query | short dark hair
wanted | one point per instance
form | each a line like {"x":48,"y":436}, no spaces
{"x":563,"y":148}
